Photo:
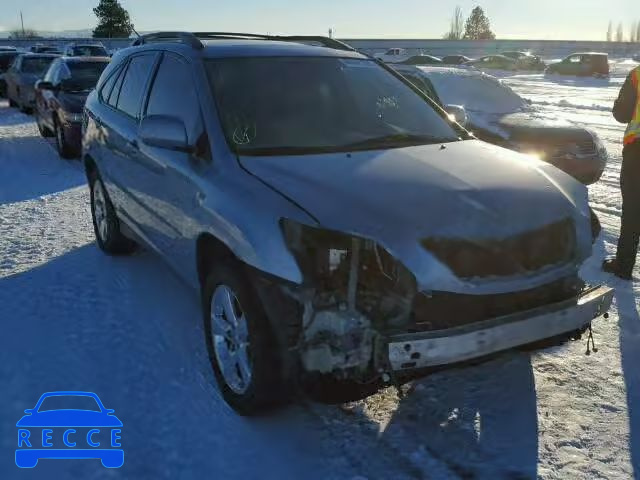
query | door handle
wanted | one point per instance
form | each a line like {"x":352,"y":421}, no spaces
{"x":200,"y":198}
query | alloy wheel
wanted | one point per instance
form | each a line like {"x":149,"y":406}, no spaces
{"x":230,"y":335}
{"x":100,"y":211}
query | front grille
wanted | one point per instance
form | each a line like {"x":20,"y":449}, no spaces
{"x":443,"y":310}
{"x":527,"y":252}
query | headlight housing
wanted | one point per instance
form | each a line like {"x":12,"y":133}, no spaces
{"x":351,"y":272}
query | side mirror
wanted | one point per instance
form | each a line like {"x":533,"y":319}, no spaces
{"x":42,"y":85}
{"x":164,"y":131}
{"x":458,"y":114}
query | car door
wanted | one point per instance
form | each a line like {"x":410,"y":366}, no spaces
{"x":11,"y":77}
{"x":574,"y":65}
{"x":119,"y":122}
{"x":46,"y":99}
{"x":176,"y":176}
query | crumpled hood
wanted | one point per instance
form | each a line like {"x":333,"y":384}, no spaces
{"x":73,"y":102}
{"x":467,"y":189}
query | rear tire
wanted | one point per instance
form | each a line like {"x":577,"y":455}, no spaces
{"x":240,"y":343}
{"x":106,"y":225}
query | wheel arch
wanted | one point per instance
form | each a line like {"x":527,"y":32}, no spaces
{"x":210,"y":249}
{"x":90,"y":167}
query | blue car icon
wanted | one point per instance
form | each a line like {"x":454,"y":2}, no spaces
{"x":69,"y":425}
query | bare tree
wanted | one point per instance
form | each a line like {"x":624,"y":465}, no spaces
{"x":620,"y":33}
{"x":632,"y":32}
{"x":610,"y":31}
{"x":456,"y":29}
{"x":638,"y":32}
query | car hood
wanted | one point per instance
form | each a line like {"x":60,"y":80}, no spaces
{"x":464,"y":189}
{"x":28,"y":79}
{"x":69,"y":418}
{"x":528,"y":126}
{"x":73,"y":102}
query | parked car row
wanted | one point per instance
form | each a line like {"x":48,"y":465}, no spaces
{"x":580,"y":64}
{"x":54,"y":88}
{"x":339,"y":226}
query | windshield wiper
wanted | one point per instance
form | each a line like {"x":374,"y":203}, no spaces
{"x":396,"y":139}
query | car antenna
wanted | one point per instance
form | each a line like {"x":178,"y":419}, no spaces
{"x":134,"y":31}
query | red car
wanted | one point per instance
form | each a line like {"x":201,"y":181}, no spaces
{"x":60,"y":99}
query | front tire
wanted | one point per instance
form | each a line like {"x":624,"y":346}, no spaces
{"x":44,"y":131}
{"x":241,"y":346}
{"x":106,"y":225}
{"x":64,"y":149}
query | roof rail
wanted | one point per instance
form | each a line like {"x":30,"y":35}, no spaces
{"x":193,"y":39}
{"x":181,"y":37}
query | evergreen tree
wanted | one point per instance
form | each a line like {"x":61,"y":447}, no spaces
{"x":478,"y":26}
{"x":113,"y":20}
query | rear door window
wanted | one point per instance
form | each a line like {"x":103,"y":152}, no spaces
{"x":134,"y":83}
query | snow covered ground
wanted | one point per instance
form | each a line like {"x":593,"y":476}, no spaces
{"x":129,"y":330}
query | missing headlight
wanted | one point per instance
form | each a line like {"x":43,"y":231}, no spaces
{"x":348,"y":272}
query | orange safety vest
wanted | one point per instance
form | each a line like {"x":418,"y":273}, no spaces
{"x":633,"y":130}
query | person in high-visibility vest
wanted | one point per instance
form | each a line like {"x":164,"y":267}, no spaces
{"x":627,"y":110}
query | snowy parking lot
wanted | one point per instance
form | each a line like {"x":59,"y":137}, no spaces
{"x":129,"y":330}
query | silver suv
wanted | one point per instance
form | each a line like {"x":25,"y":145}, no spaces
{"x":337,"y":224}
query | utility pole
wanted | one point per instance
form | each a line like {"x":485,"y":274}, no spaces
{"x":22,"y":23}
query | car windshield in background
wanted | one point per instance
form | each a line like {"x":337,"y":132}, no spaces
{"x":90,"y":51}
{"x":6,"y":59}
{"x":285,"y":105}
{"x":479,"y":93}
{"x":69,"y":402}
{"x":82,"y":76}
{"x":37,"y":65}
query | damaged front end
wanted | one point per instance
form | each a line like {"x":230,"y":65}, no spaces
{"x":358,"y":308}
{"x":353,"y":292}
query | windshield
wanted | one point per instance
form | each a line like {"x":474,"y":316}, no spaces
{"x":6,"y":59}
{"x":36,"y":65}
{"x":69,"y":402}
{"x":89,"y":51}
{"x":312,"y":104}
{"x":477,"y":93}
{"x":81,"y":76}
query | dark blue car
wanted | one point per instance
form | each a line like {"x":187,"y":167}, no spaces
{"x":72,"y":425}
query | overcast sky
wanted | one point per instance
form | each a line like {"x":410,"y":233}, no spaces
{"x":532,"y":19}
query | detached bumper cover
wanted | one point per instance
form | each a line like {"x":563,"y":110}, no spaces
{"x":458,"y":344}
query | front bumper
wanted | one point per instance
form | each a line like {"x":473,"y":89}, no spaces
{"x":587,"y":170}
{"x":414,"y":351}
